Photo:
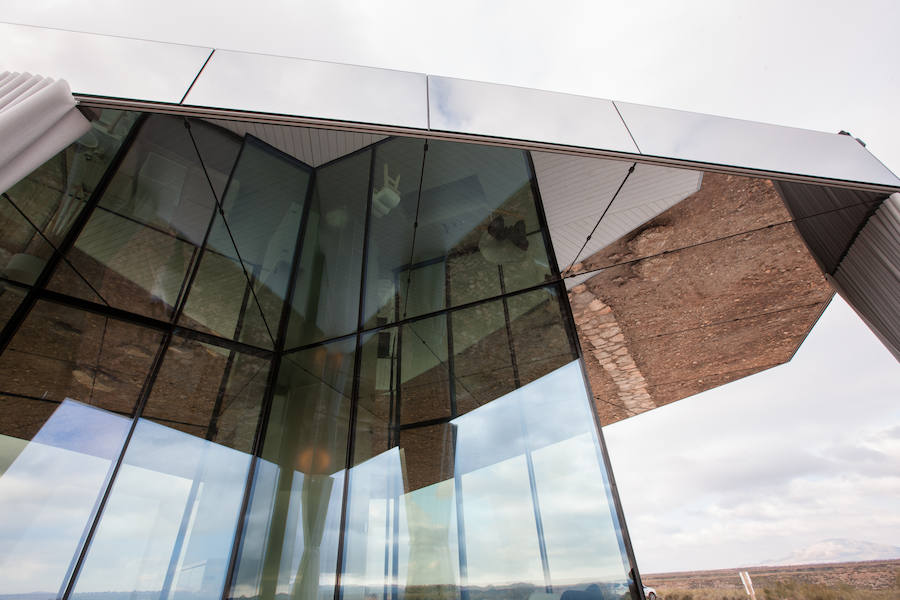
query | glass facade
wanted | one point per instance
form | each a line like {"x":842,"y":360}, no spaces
{"x":276,"y":362}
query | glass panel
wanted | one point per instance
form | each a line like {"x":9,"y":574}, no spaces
{"x":504,"y":344}
{"x":209,"y":392}
{"x":69,"y":382}
{"x":138,"y":245}
{"x":326,"y":295}
{"x":262,"y":207}
{"x":485,"y":502}
{"x":395,"y":186}
{"x":182,"y":480}
{"x":537,"y":506}
{"x":478,"y":233}
{"x":44,"y":205}
{"x":290,"y":543}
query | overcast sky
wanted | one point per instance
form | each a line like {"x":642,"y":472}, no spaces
{"x":751,"y":471}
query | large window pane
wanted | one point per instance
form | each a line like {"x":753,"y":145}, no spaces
{"x":326,"y":294}
{"x":290,"y":543}
{"x":69,"y":382}
{"x":467,"y":230}
{"x":138,"y":245}
{"x":252,"y":244}
{"x":182,"y":479}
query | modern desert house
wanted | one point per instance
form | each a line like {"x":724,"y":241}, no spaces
{"x":278,"y":328}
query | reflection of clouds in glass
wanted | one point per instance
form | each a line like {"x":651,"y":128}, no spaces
{"x":551,"y":419}
{"x":528,"y":114}
{"x":47,"y":494}
{"x":170,"y":483}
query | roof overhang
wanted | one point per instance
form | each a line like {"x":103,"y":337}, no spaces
{"x":202,"y":81}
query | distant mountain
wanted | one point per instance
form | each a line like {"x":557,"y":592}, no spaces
{"x":838,"y":550}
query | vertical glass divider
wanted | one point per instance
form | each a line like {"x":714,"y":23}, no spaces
{"x":354,"y":394}
{"x":271,"y":381}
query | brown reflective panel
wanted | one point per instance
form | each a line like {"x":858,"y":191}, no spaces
{"x":715,"y":288}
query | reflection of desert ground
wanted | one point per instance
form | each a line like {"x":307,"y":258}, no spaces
{"x":869,"y":580}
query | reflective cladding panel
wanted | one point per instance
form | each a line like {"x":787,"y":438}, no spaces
{"x":451,"y":224}
{"x":519,"y":113}
{"x":182,"y":479}
{"x":695,"y":288}
{"x":102,"y":65}
{"x":290,"y":541}
{"x":309,"y":88}
{"x":69,"y":383}
{"x":733,"y":142}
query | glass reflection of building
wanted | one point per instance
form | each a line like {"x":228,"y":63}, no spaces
{"x":231,"y":370}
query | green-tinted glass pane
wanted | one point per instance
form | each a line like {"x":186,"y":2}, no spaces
{"x":262,"y":206}
{"x":476,"y":216}
{"x":290,"y":543}
{"x":396,"y":177}
{"x":69,"y":382}
{"x":540,"y":335}
{"x":326,"y":296}
{"x":137,"y":248}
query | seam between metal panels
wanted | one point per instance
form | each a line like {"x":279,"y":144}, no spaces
{"x":282,"y":119}
{"x":628,"y":129}
{"x":197,"y":76}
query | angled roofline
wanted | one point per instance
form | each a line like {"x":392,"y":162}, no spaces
{"x":207,"y":82}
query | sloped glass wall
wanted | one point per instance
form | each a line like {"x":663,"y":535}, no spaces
{"x":247,"y":361}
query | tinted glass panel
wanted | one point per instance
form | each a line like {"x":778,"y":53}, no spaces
{"x":69,"y":382}
{"x":37,"y":212}
{"x":291,"y":540}
{"x":251,"y":247}
{"x":138,"y":246}
{"x":326,"y":296}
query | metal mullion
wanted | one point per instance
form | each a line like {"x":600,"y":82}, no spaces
{"x":141,"y":403}
{"x":272,"y":380}
{"x":541,"y":215}
{"x":24,"y":308}
{"x":602,"y":454}
{"x":354,"y":395}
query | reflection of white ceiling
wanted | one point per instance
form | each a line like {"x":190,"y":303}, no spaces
{"x":315,"y":147}
{"x":576,"y":190}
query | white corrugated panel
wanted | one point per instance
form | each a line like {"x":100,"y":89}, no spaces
{"x":38,"y":119}
{"x":315,"y":147}
{"x":576,"y":191}
{"x":868,"y":277}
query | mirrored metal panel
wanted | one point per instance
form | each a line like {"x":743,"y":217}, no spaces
{"x":101,"y":65}
{"x":525,"y":114}
{"x":733,"y":142}
{"x":309,"y":88}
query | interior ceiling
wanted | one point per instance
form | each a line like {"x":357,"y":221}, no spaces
{"x":576,"y":190}
{"x":314,"y":147}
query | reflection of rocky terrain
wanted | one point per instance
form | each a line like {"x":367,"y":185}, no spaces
{"x":714,"y":289}
{"x":869,"y":575}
